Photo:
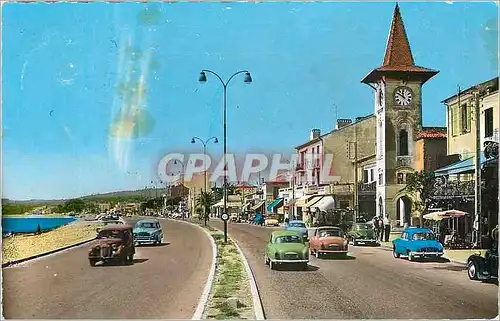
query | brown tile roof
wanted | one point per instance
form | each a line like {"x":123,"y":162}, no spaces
{"x":431,"y":134}
{"x":398,"y":52}
{"x":398,"y":57}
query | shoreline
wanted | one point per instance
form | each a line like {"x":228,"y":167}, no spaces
{"x":23,"y":246}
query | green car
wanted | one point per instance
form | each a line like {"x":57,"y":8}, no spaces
{"x":286,"y":247}
{"x":362,"y":234}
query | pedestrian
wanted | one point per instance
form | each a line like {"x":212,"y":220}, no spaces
{"x":38,"y":229}
{"x":376,"y":227}
{"x":387,"y":228}
{"x":381,"y":229}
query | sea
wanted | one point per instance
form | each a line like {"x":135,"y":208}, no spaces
{"x":30,"y":224}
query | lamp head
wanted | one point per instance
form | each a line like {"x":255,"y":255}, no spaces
{"x":248,"y":78}
{"x":203,"y":77}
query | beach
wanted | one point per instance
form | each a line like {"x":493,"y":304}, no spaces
{"x":20,"y":247}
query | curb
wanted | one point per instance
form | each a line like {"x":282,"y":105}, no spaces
{"x":44,"y":254}
{"x":387,"y":248}
{"x":257,"y":303}
{"x":205,"y":295}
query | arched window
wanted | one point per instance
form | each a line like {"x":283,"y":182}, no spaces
{"x":403,"y":143}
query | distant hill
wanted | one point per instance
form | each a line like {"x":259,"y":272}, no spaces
{"x":111,"y":195}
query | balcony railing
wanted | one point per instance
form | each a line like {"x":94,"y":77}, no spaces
{"x":452,"y":189}
{"x":299,"y":167}
{"x":404,"y":161}
{"x":367,"y":188}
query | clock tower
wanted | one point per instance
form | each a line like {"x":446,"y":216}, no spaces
{"x":397,"y":87}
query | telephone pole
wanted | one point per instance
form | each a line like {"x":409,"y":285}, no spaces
{"x":478,"y":217}
{"x":354,"y":156}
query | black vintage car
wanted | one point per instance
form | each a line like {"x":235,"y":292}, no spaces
{"x":484,"y":268}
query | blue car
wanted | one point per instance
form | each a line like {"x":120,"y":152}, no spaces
{"x":417,"y":243}
{"x":298,"y":226}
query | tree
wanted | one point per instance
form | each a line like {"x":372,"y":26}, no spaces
{"x":205,"y":200}
{"x":422,"y":186}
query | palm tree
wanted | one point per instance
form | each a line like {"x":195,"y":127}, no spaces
{"x":205,"y":200}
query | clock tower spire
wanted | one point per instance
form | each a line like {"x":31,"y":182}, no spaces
{"x":398,"y":107}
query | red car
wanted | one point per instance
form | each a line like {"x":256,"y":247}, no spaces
{"x":328,"y":240}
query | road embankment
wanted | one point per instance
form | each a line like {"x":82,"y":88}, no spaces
{"x":22,"y":247}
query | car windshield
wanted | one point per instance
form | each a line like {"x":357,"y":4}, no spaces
{"x":288,"y":239}
{"x":329,"y":233}
{"x":110,"y":234}
{"x":423,"y":236}
{"x":297,"y":224}
{"x":147,"y":225}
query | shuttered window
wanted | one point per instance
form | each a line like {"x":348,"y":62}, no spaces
{"x":455,"y":120}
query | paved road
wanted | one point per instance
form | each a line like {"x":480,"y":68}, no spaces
{"x":164,"y":282}
{"x":372,"y":284}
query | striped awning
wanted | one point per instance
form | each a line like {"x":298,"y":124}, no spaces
{"x":275,"y":203}
{"x":326,"y":203}
{"x":314,"y":200}
{"x":257,"y":206}
{"x":303,"y":201}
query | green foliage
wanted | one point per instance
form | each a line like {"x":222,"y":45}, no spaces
{"x":11,"y":209}
{"x":205,"y":202}
{"x":421,"y":185}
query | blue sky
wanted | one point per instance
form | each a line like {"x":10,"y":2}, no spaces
{"x":71,"y":70}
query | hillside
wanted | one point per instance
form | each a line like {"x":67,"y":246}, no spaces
{"x":111,"y":195}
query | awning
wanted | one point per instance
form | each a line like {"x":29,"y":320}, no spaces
{"x":301,"y":202}
{"x":292,"y":202}
{"x":326,"y":203}
{"x":314,"y":200}
{"x":257,"y":206}
{"x":460,"y":167}
{"x":275,"y":203}
{"x":228,"y":204}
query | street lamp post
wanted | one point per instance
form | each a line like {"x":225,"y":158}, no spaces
{"x":248,"y":80}
{"x":193,"y":140}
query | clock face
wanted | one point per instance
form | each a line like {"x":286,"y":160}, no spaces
{"x":403,"y":96}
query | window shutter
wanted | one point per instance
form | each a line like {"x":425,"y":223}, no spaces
{"x":469,"y":117}
{"x":455,"y":120}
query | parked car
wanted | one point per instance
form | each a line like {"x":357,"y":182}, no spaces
{"x":148,"y":231}
{"x":328,"y":240}
{"x":417,"y":243}
{"x":298,"y":226}
{"x":362,"y":234}
{"x":272,"y":221}
{"x":286,"y":247}
{"x":113,"y":243}
{"x":484,"y":268}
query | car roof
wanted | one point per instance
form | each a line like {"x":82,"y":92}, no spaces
{"x":149,"y":220}
{"x":116,"y":227}
{"x":329,"y":228}
{"x":283,"y":233}
{"x":297,"y":221}
{"x":412,"y":230}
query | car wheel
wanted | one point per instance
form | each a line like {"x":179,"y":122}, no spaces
{"x":395,"y":253}
{"x":92,"y":262}
{"x":472,"y":270}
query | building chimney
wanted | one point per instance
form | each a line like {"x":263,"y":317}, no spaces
{"x":342,"y":123}
{"x":315,"y":133}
